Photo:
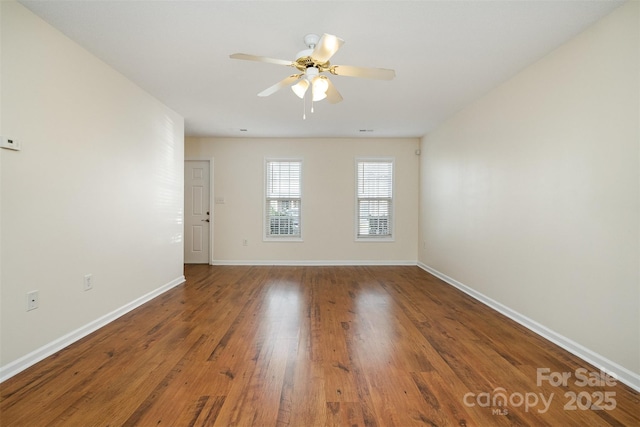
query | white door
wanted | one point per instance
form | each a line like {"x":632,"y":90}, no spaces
{"x":196,"y":212}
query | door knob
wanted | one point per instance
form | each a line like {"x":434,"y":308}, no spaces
{"x":206,"y":220}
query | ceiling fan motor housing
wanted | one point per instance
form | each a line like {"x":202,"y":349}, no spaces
{"x":303,"y":58}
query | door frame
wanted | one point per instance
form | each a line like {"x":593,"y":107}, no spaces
{"x":211,"y":199}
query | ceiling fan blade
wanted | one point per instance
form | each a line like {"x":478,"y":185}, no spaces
{"x":368,"y":73}
{"x":326,"y":48}
{"x":333,"y":96}
{"x":248,"y":57}
{"x":281,"y":84}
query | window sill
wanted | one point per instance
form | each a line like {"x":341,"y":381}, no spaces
{"x":283,"y":239}
{"x":375,"y":239}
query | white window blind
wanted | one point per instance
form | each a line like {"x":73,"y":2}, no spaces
{"x":375,"y":199}
{"x":283,"y":198}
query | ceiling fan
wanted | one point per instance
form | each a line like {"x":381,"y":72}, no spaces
{"x":311,"y":63}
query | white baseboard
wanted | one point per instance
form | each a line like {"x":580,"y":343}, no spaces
{"x":313,"y":262}
{"x":623,"y":374}
{"x":47,"y":350}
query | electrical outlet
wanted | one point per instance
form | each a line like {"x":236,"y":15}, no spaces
{"x":33,"y":299}
{"x":9,"y":143}
{"x":88,"y":282}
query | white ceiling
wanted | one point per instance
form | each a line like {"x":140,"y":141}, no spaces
{"x":445,"y":54}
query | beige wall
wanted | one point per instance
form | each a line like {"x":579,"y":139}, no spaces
{"x":530,"y":196}
{"x":97,"y":188}
{"x":328,"y":199}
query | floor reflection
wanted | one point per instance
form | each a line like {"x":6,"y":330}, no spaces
{"x":374,"y":326}
{"x":280,"y":321}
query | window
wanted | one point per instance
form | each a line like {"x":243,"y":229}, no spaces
{"x":374,"y":199}
{"x":283,"y":199}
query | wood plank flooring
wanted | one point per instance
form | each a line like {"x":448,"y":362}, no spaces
{"x":312,"y":346}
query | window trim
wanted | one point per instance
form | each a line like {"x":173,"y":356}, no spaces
{"x":377,"y":239}
{"x":286,"y":238}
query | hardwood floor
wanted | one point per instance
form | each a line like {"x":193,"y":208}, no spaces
{"x":312,"y":346}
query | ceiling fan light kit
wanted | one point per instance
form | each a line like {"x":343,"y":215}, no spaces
{"x":313,"y":61}
{"x":319,"y":85}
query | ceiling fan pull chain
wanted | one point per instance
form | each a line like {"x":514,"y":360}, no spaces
{"x":304,"y":108}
